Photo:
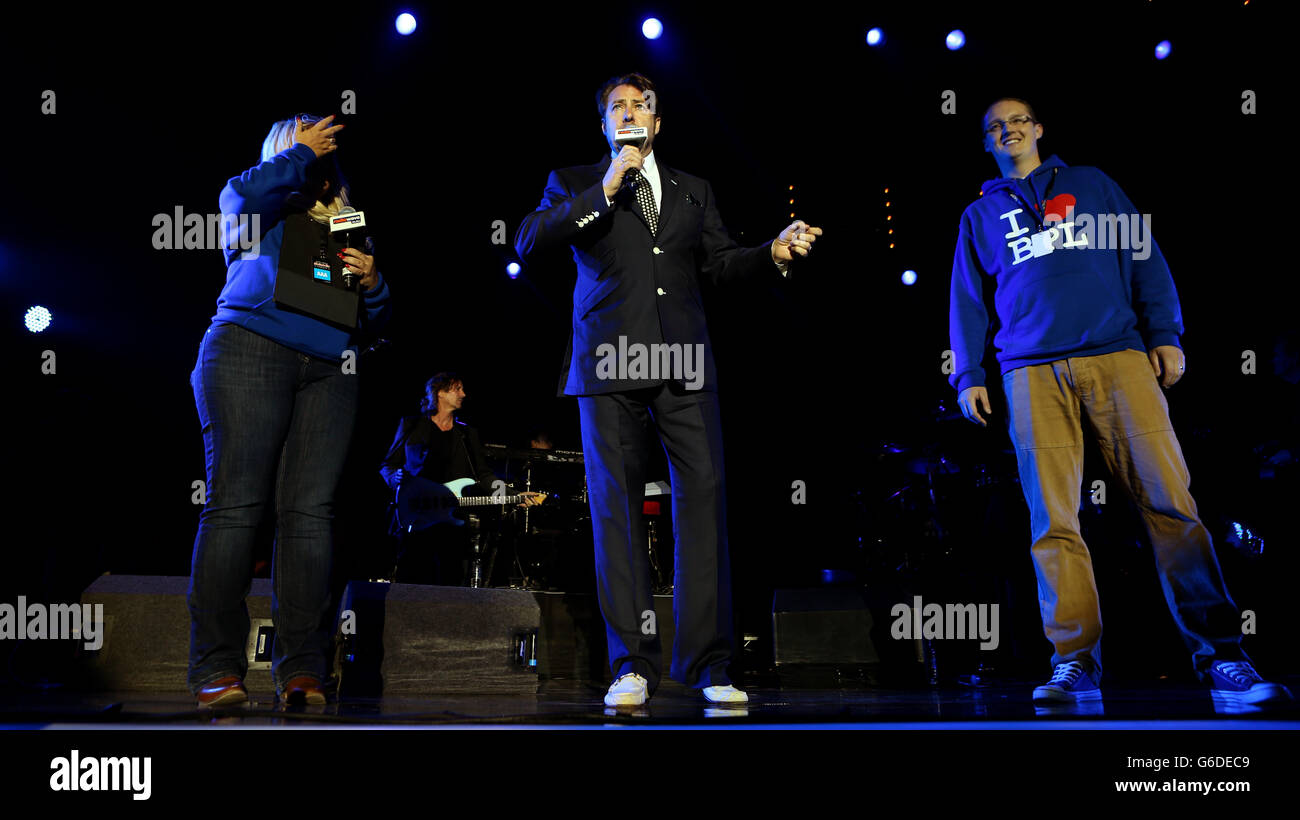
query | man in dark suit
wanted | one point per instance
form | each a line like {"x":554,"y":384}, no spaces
{"x":643,"y":235}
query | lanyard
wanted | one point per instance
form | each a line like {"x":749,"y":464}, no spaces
{"x":1037,"y":210}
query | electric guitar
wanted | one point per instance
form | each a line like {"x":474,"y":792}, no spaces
{"x":421,"y":503}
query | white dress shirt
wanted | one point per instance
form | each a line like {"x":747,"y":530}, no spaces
{"x":651,"y":170}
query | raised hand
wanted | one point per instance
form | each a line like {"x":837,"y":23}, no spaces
{"x":628,"y":159}
{"x":319,"y":137}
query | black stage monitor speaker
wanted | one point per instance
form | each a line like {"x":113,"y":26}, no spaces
{"x":146,"y":634}
{"x":410,"y":639}
{"x":823,"y":625}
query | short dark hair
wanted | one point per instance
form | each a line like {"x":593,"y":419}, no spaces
{"x":440,"y":382}
{"x":640,"y":82}
{"x":1029,"y":108}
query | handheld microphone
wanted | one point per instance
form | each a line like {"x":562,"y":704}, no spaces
{"x":632,"y":135}
{"x":348,"y":220}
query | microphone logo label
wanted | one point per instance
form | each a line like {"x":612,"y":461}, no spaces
{"x":348,"y":221}
{"x":634,"y":134}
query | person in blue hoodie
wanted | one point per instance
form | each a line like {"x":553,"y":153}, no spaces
{"x":277,"y":400}
{"x":1088,"y":327}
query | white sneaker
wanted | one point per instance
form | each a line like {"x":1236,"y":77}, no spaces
{"x":725,"y":694}
{"x":628,"y":690}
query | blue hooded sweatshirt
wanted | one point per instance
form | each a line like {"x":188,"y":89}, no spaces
{"x":247,"y":299}
{"x":1091,"y":282}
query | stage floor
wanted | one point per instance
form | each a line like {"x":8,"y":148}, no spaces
{"x":578,"y":705}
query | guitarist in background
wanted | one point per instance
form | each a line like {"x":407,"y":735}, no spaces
{"x":434,"y":446}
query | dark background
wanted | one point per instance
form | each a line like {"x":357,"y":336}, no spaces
{"x":457,"y":126}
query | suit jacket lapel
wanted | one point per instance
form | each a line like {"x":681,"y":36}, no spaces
{"x":671,"y":193}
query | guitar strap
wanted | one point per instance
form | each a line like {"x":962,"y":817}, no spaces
{"x":469,"y":457}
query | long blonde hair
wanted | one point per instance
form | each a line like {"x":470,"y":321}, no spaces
{"x":282,"y":137}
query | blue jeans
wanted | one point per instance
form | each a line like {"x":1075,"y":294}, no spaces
{"x":275,"y":420}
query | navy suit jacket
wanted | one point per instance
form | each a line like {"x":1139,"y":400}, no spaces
{"x":631,"y":284}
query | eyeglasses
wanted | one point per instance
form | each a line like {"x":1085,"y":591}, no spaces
{"x":995,"y":127}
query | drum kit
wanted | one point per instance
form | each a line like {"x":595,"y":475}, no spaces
{"x":919,"y":499}
{"x":552,"y":543}
{"x":925,"y":495}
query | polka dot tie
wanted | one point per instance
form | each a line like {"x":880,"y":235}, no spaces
{"x":645,"y":199}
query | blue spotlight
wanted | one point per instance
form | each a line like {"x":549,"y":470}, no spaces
{"x":955,"y":39}
{"x":1162,"y":49}
{"x":512,"y":270}
{"x":652,"y":28}
{"x":38,"y":318}
{"x":405,"y":23}
{"x":875,"y":37}
{"x":909,"y":277}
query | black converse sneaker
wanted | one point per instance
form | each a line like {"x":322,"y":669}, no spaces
{"x":1070,"y":683}
{"x":1238,"y":682}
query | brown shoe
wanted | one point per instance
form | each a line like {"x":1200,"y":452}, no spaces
{"x":303,"y":690}
{"x":222,"y":692}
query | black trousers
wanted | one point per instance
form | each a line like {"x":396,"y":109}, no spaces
{"x":615,"y":431}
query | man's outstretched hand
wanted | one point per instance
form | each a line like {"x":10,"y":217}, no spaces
{"x":796,"y":239}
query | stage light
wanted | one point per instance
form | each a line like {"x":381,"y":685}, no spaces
{"x":1162,"y":49}
{"x":405,"y":23}
{"x":652,"y":28}
{"x":38,"y":318}
{"x":512,"y":270}
{"x":909,"y":277}
{"x":955,"y":39}
{"x":875,"y":37}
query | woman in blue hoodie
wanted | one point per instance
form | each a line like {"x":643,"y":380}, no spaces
{"x":277,"y":399}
